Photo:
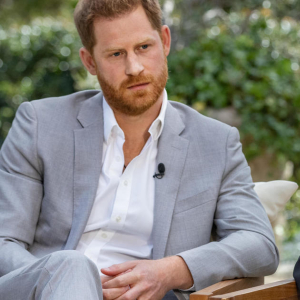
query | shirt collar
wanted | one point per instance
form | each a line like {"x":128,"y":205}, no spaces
{"x":110,"y":122}
{"x":158,"y":124}
{"x":111,"y":125}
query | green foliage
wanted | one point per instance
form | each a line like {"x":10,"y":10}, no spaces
{"x":36,"y":61}
{"x":292,"y":215}
{"x":189,"y":16}
{"x":249,"y":61}
{"x":18,"y":11}
{"x":255,"y":70}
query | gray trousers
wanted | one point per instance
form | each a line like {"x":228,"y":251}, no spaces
{"x":62,"y":275}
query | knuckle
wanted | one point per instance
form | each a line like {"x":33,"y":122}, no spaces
{"x":138,"y":276}
{"x":126,"y":288}
{"x":105,"y":294}
{"x":119,"y":281}
{"x":126,"y":297}
{"x":143,"y":275}
{"x":147,"y":285}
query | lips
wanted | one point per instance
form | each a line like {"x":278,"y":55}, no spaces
{"x":138,"y":85}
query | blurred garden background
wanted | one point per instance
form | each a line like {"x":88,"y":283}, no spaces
{"x":236,"y":61}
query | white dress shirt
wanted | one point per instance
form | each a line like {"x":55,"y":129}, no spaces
{"x":120,"y":225}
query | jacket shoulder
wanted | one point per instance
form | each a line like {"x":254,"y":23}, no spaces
{"x":195,"y":122}
{"x":64,"y":102}
{"x":62,"y":110}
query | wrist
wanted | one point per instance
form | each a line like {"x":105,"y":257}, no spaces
{"x":177,"y":273}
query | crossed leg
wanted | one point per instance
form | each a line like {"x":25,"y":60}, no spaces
{"x":67,"y":275}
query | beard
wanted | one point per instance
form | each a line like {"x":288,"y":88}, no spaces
{"x":134,"y":103}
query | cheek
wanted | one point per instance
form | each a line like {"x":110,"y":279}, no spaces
{"x":112,"y":73}
{"x":154,"y":62}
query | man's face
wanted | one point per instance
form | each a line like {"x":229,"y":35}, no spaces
{"x":130,"y":61}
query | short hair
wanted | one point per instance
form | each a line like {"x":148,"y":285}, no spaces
{"x":87,"y":11}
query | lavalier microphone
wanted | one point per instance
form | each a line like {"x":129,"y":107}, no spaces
{"x":161,"y":170}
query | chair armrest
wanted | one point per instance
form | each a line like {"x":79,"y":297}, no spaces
{"x":285,"y":289}
{"x":226,"y":286}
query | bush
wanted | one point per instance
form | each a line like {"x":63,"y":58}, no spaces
{"x":249,"y":61}
{"x":36,"y":61}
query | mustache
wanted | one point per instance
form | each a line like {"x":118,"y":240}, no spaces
{"x":131,"y":81}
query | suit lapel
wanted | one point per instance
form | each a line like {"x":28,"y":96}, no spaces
{"x":87,"y":165}
{"x":172,"y":151}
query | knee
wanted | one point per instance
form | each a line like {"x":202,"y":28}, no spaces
{"x":72,"y":259}
{"x":72,"y":271}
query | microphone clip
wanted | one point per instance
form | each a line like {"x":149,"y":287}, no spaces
{"x":161,"y":170}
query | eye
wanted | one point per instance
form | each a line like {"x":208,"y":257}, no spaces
{"x":117,"y":54}
{"x":144,"y":47}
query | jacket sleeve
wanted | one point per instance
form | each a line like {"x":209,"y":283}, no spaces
{"x":21,"y":191}
{"x":245,"y":245}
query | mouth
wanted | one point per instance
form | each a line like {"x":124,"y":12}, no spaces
{"x":138,"y":86}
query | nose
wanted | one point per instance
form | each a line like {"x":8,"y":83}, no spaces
{"x":133,"y":65}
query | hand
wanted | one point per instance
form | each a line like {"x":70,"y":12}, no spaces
{"x":145,"y":280}
{"x":148,"y":279}
{"x":110,"y":294}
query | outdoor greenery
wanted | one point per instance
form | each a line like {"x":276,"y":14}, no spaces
{"x":249,"y":61}
{"x":244,"y":55}
{"x":19,"y":11}
{"x":36,"y":61}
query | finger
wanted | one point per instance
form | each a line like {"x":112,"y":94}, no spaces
{"x":119,"y":268}
{"x":105,"y":278}
{"x":132,"y":294}
{"x":122,"y":280}
{"x":129,"y":270}
{"x":109,"y":294}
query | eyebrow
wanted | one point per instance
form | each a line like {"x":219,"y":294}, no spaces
{"x":116,"y":49}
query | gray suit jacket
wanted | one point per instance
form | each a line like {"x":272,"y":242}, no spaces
{"x":49,"y":169}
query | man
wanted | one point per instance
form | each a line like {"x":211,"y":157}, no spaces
{"x":77,"y":174}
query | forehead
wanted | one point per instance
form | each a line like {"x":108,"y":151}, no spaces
{"x":123,"y":30}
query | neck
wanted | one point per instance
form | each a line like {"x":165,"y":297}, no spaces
{"x":136,"y":127}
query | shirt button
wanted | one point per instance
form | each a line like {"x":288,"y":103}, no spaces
{"x":125,"y":182}
{"x":118,"y":219}
{"x":104,"y":235}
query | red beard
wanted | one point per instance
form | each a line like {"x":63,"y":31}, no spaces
{"x":135,"y":102}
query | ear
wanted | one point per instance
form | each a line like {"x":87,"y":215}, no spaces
{"x":88,"y":60}
{"x":166,"y":39}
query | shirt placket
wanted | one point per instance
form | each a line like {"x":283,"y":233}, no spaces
{"x":104,"y":235}
{"x":122,"y":200}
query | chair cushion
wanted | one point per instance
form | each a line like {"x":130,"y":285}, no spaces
{"x":274,"y":195}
